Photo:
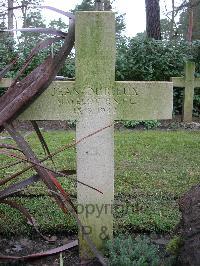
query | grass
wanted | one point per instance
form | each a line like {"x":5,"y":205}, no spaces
{"x":152,"y":170}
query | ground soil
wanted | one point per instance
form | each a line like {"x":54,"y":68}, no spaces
{"x":174,"y":124}
{"x":22,"y":246}
{"x":189,"y":227}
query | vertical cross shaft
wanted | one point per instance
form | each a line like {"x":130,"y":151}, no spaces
{"x":95,"y":77}
{"x":189,"y":91}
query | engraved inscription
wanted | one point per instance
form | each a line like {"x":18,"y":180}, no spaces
{"x":122,"y":91}
{"x":126,"y":95}
{"x":71,"y":97}
{"x":129,"y":91}
{"x":65,"y":92}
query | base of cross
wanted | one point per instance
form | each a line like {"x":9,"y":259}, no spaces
{"x":95,"y":100}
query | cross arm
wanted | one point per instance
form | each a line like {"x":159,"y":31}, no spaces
{"x":5,"y":82}
{"x":197,"y":83}
{"x":133,"y":100}
{"x":178,"y":82}
{"x":143,"y":100}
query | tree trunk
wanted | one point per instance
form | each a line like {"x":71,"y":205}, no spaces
{"x":172,"y":21}
{"x":24,"y":12}
{"x":101,"y":5}
{"x":196,"y":20}
{"x":153,"y":19}
{"x":10,"y":14}
{"x":107,"y":5}
{"x":190,"y":23}
{"x":98,"y":5}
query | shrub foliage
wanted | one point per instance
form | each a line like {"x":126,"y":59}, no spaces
{"x":140,"y":251}
{"x":144,"y":59}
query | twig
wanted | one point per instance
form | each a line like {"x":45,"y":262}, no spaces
{"x":53,"y":154}
{"x":47,"y":168}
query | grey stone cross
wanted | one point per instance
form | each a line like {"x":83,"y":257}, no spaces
{"x":95,"y":100}
{"x":189,"y":82}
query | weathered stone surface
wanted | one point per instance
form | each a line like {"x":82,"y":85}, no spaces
{"x":95,"y":70}
{"x":197,"y":83}
{"x":178,"y":82}
{"x":59,"y":102}
{"x":5,"y":82}
{"x":95,"y":166}
{"x":189,"y":91}
{"x":140,"y":100}
{"x":132,"y":100}
{"x":189,"y":82}
{"x":189,"y":227}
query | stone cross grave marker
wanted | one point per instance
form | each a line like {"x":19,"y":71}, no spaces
{"x":189,"y":82}
{"x":95,"y":100}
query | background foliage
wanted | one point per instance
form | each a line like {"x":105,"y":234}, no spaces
{"x":140,"y":58}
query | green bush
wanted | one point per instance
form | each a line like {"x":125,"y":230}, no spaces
{"x":178,"y":100}
{"x":7,"y":52}
{"x":131,"y":123}
{"x":144,"y":59}
{"x":174,"y":245}
{"x":196,"y":109}
{"x":124,"y":251}
{"x":148,"y":124}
